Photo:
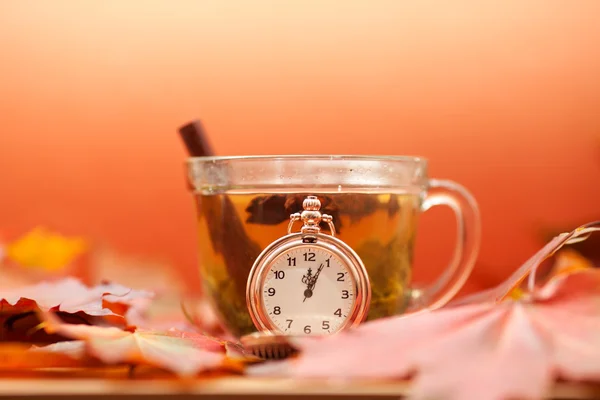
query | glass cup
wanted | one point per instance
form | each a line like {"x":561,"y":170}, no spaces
{"x":244,"y":203}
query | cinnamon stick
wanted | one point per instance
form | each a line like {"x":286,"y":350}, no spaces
{"x":226,"y":230}
{"x":195,"y":140}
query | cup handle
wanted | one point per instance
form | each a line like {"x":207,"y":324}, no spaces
{"x":468,"y":226}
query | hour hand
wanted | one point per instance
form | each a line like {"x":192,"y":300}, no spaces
{"x":311,"y":285}
{"x":307,"y":280}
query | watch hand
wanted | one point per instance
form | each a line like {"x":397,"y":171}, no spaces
{"x":309,"y":290}
{"x":307,"y":280}
{"x":314,"y":279}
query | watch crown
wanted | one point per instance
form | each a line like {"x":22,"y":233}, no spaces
{"x":311,"y":203}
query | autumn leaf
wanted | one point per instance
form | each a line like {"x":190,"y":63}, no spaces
{"x":45,"y":250}
{"x":548,"y":262}
{"x":19,"y":356}
{"x":512,"y":349}
{"x":104,"y":304}
{"x":180,"y":352}
{"x":566,"y":261}
{"x":71,"y":296}
{"x":74,"y":349}
{"x":172,"y":305}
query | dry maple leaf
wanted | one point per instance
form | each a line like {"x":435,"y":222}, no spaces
{"x":538,"y":270}
{"x":75,"y":349}
{"x":45,"y":250}
{"x":71,"y":296}
{"x":104,"y":304}
{"x":42,"y":254}
{"x":20,"y":356}
{"x":180,"y":352}
{"x":512,"y":349}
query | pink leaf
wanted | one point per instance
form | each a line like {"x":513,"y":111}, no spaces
{"x":512,"y":349}
{"x":71,"y":296}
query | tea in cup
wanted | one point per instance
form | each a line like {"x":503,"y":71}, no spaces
{"x":314,"y":244}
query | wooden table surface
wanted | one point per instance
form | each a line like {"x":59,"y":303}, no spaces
{"x":117,"y":385}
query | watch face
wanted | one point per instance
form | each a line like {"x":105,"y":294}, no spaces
{"x":299,"y":288}
{"x":308,"y":290}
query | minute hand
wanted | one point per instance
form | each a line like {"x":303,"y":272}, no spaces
{"x":311,"y":284}
{"x":314,"y":279}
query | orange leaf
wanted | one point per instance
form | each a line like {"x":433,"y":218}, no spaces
{"x":16,"y":356}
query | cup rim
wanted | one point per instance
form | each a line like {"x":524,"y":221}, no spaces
{"x":308,"y":157}
{"x":371,"y":171}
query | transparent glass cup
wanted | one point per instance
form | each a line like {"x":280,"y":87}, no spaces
{"x":244,"y":204}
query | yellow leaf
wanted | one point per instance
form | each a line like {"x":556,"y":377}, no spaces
{"x":42,"y":249}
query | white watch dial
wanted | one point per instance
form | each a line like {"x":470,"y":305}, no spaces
{"x":308,"y":291}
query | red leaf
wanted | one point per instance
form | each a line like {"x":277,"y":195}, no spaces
{"x":513,"y":349}
{"x":104,"y":304}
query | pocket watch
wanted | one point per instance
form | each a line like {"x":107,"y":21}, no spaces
{"x":307,"y":282}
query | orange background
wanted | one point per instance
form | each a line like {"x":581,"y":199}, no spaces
{"x":502,"y":96}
